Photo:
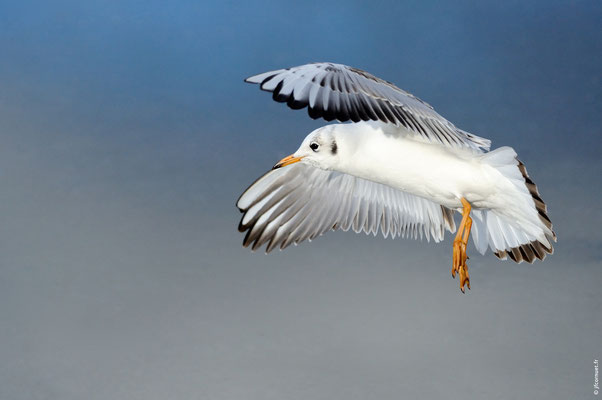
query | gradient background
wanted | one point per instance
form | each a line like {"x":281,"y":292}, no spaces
{"x":127,"y":134}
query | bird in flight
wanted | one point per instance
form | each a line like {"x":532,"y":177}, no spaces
{"x":400,"y":168}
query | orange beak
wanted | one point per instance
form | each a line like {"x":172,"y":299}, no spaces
{"x":287,"y":161}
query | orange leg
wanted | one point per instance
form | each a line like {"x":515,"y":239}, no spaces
{"x":459,"y":246}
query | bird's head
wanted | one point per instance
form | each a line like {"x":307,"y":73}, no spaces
{"x":320,"y":148}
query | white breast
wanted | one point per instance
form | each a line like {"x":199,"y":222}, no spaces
{"x":438,"y":173}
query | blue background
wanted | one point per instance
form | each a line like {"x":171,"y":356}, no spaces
{"x":127,"y":134}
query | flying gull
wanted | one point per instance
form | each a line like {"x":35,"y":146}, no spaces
{"x":400,"y":168}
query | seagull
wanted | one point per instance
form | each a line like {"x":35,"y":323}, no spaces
{"x":399,"y":168}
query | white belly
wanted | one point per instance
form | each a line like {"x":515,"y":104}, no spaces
{"x":432,"y":171}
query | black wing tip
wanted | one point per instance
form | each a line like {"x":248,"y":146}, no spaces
{"x":241,"y":227}
{"x":528,"y":252}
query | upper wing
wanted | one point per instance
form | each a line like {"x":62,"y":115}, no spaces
{"x":336,"y":91}
{"x":288,"y":205}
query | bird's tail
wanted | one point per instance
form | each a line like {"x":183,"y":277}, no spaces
{"x":522,"y":230}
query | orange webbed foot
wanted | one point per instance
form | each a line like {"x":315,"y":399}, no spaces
{"x":459,"y":254}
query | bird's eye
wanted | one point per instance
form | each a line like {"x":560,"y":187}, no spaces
{"x":314,"y":146}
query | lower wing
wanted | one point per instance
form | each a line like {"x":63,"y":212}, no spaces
{"x":298,"y":202}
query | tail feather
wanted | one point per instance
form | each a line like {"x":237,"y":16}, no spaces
{"x":526,"y":235}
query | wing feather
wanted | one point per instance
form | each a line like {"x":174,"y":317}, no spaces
{"x":300,"y":202}
{"x":360,"y":97}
